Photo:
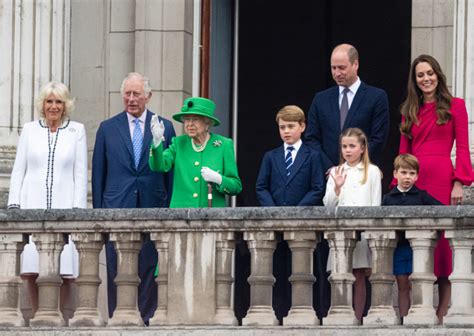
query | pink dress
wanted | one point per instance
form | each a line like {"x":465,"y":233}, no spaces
{"x":432,"y":145}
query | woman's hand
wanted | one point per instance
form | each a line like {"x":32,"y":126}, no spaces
{"x":210,"y":175}
{"x":456,"y":193}
{"x":339,"y":178}
{"x":157,"y":129}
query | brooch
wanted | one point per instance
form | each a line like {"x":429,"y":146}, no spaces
{"x":217,"y":143}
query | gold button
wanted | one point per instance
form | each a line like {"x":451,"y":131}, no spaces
{"x":196,"y":179}
{"x":196,"y":163}
{"x":195,"y":195}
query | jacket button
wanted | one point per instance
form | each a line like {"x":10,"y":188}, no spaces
{"x":196,"y":179}
{"x":196,"y":163}
{"x":195,"y":195}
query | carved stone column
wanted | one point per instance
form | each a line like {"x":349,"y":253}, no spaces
{"x":261,"y":280}
{"x":302,"y":245}
{"x":161,"y":240}
{"x":49,"y":281}
{"x":382,"y":245}
{"x":128,"y":246}
{"x":341,"y":312}
{"x":225,"y":245}
{"x":11,"y":245}
{"x":461,"y":311}
{"x":422,"y":278}
{"x":87,"y":314}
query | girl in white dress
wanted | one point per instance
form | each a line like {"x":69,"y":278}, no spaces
{"x":355,"y":182}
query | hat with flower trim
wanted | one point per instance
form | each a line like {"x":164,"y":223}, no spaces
{"x":198,"y":106}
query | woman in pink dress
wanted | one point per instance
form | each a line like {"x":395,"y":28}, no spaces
{"x":432,"y":119}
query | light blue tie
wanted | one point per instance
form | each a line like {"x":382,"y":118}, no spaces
{"x":137,"y":142}
{"x":289,"y":159}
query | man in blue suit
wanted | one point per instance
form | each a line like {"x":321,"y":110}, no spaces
{"x":121,"y":178}
{"x":351,"y":103}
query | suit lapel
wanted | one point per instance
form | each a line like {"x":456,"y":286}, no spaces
{"x":301,"y":156}
{"x":358,"y":99}
{"x":335,"y":112}
{"x":279,"y":159}
{"x":124,"y":132}
{"x":147,"y":137}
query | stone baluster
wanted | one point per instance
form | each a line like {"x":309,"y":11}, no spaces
{"x":382,"y":245}
{"x":87,"y":314}
{"x":461,"y":311}
{"x":49,"y":281}
{"x":302,"y":245}
{"x":128,"y":246}
{"x":225,"y":245}
{"x":11,"y":245}
{"x":341,"y":312}
{"x":161,"y":240}
{"x":422,"y":312}
{"x":261,"y":280}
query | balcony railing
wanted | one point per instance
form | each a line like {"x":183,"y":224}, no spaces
{"x":196,"y":246}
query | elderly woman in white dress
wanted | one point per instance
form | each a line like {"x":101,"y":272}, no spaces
{"x":50,"y":172}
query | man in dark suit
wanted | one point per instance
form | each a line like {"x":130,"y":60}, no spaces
{"x":351,"y":103}
{"x":121,"y":178}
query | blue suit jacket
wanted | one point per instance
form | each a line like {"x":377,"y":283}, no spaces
{"x":305,"y":186}
{"x":116,"y":183}
{"x":369,"y":111}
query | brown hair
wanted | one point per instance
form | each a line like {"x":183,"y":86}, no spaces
{"x":406,"y":161}
{"x":409,"y":108}
{"x":291,"y":113}
{"x":362,"y":139}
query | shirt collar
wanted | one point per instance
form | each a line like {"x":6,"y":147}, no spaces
{"x":353,"y":88}
{"x":296,"y":145}
{"x":359,"y":166}
{"x":405,"y":191}
{"x":132,"y":118}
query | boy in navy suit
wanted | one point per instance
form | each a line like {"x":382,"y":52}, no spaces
{"x":290,"y":174}
{"x":406,"y":168}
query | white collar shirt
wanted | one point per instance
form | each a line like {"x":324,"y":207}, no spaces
{"x":131,"y":122}
{"x":296,"y":147}
{"x":351,"y":94}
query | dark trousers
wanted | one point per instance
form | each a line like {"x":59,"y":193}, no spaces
{"x":147,"y":289}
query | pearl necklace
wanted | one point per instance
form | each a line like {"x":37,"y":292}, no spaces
{"x":200,"y":148}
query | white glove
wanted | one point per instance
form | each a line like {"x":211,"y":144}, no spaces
{"x":157,"y":129}
{"x":210,"y":175}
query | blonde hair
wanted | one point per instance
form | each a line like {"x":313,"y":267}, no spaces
{"x":61,"y":92}
{"x":362,"y":139}
{"x":291,"y":113}
{"x":406,"y":161}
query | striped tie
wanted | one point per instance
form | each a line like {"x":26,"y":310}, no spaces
{"x":137,"y":142}
{"x":289,"y":159}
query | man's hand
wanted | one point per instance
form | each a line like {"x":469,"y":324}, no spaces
{"x":157,"y":129}
{"x":210,"y":175}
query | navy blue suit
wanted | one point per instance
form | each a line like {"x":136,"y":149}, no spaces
{"x":369,"y":111}
{"x":304,"y":186}
{"x":116,"y":183}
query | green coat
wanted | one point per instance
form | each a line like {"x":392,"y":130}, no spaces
{"x":189,"y":188}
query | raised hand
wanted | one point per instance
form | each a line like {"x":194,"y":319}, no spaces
{"x":339,"y":177}
{"x":157,"y":130}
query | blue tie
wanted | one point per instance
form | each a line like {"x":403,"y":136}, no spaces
{"x":289,"y":159}
{"x":137,"y":142}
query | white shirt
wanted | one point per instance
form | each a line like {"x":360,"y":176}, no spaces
{"x":131,"y":122}
{"x":353,"y":193}
{"x":351,"y":93}
{"x":296,"y":147}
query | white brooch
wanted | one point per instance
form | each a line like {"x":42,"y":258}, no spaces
{"x":217,"y":143}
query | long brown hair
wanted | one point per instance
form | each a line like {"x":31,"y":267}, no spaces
{"x":362,"y":140}
{"x":409,"y":108}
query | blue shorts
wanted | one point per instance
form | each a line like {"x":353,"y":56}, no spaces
{"x":403,"y":260}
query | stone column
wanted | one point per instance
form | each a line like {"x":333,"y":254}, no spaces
{"x":261,"y":280}
{"x":128,"y":246}
{"x":302,"y":245}
{"x":461,"y":312}
{"x":225,"y":245}
{"x":422,"y":312}
{"x":49,"y":281}
{"x":161,"y":240}
{"x":342,"y":244}
{"x":382,"y":245}
{"x":11,"y":245}
{"x":87,"y":314}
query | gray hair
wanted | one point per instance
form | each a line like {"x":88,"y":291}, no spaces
{"x":139,"y":76}
{"x":60,"y":91}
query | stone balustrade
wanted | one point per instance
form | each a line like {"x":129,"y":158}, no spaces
{"x":195,"y":252}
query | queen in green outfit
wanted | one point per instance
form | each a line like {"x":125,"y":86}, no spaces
{"x":197,"y":157}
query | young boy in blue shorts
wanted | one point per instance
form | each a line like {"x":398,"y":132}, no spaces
{"x":406,"y":168}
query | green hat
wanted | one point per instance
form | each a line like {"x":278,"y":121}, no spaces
{"x":198,"y":106}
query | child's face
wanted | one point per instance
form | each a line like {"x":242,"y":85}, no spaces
{"x":406,"y":177}
{"x":290,"y":131}
{"x":352,"y":150}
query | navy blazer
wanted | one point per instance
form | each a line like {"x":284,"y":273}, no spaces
{"x":116,"y":183}
{"x":305,"y":185}
{"x":369,"y":111}
{"x":414,"y":196}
